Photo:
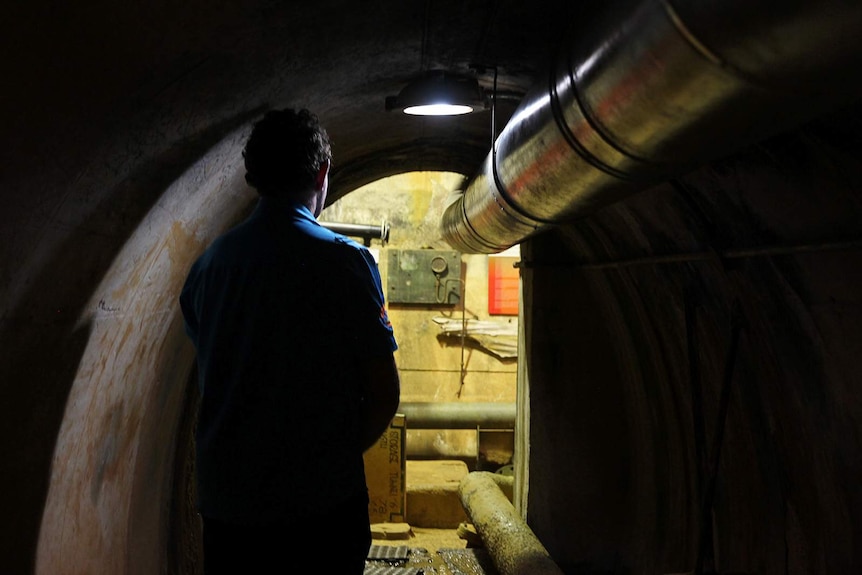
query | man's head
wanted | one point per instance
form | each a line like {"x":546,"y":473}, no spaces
{"x":288,"y":155}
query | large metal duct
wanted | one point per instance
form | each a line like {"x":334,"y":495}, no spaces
{"x":647,"y":90}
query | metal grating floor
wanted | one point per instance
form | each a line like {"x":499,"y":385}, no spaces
{"x":403,"y":560}
{"x":388,"y":553}
{"x":390,"y":570}
{"x":390,"y":560}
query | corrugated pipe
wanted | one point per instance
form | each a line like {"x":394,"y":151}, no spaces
{"x":647,"y":90}
{"x":513,"y":547}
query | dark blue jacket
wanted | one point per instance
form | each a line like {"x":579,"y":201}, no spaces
{"x":281,"y":310}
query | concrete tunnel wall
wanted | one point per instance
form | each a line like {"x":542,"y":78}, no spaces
{"x":630,"y":349}
{"x":107,"y":507}
{"x":94,"y":360}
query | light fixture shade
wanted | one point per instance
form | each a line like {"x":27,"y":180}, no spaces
{"x":437,"y":93}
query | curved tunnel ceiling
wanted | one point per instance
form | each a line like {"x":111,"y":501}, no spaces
{"x":187,"y":69}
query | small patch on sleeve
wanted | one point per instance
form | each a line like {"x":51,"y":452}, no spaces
{"x":384,"y":317}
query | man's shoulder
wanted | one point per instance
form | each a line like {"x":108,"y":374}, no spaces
{"x":353,"y":251}
{"x":347,"y":243}
{"x":330,"y":240}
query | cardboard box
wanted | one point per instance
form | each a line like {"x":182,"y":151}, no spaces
{"x":385,"y":473}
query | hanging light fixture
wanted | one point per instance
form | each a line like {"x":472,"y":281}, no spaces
{"x":438,"y":93}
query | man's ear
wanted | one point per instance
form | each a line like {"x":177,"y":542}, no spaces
{"x":321,"y":176}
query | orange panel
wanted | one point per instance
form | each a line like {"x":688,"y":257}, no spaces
{"x":503,"y":281}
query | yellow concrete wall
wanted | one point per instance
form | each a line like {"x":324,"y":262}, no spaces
{"x":431,"y":367}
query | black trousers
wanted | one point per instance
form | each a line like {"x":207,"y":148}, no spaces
{"x":335,"y":541}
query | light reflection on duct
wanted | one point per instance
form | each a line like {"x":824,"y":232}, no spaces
{"x":649,"y":90}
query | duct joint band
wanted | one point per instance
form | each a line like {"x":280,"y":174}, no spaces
{"x":473,"y":232}
{"x":558,"y":116}
{"x":504,"y":201}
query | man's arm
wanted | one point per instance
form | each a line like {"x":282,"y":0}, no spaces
{"x":381,"y":395}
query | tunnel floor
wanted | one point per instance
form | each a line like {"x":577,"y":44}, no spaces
{"x":428,"y":552}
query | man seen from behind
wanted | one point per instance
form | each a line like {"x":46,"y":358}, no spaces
{"x":296,"y":369}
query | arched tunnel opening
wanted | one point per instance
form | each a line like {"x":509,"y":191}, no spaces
{"x":458,"y":372}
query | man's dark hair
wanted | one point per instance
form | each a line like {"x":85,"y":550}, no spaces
{"x":285,"y":151}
